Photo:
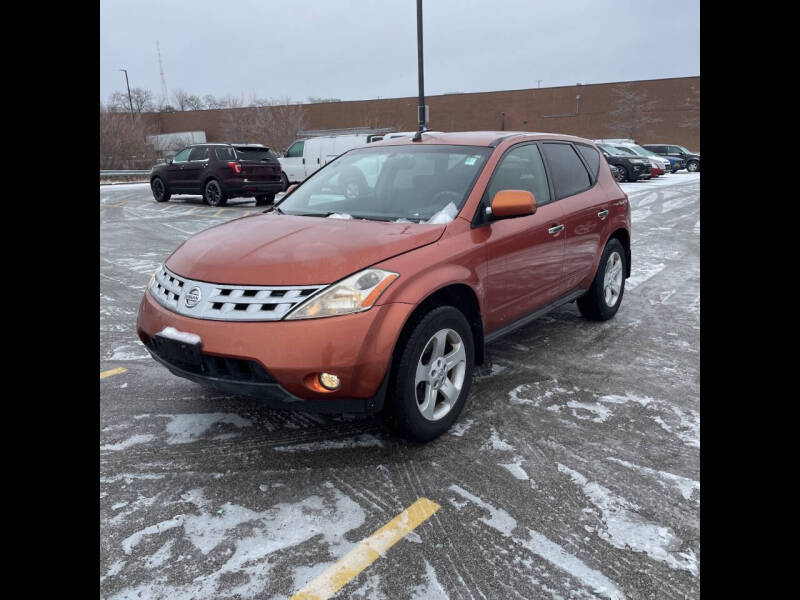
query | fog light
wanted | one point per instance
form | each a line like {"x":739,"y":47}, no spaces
{"x":329,"y":381}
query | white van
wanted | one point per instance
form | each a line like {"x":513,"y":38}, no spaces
{"x":304,"y":157}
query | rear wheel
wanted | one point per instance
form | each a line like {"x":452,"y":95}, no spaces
{"x":265,"y":199}
{"x":214,"y":196}
{"x":692,"y":166}
{"x":602,"y":300}
{"x":159,"y":190}
{"x":285,"y":181}
{"x":434,"y":375}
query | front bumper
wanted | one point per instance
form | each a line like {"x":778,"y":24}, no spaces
{"x":358,"y":348}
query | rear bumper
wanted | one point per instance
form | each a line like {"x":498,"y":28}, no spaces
{"x":253,"y":188}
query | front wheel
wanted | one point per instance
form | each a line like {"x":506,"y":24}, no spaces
{"x":159,"y":189}
{"x":214,"y":195}
{"x":434,"y":375}
{"x":602,"y":300}
{"x":623,"y":174}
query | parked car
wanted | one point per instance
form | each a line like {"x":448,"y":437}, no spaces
{"x":332,"y":303}
{"x":675,"y":163}
{"x":219,"y":172}
{"x":691,"y":159}
{"x":631,"y":167}
{"x":304,"y":157}
{"x":662,"y":165}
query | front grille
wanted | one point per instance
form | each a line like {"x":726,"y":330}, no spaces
{"x":226,"y":302}
{"x":221,"y":367}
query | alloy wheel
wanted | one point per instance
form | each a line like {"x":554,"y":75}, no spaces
{"x":440,"y":374}
{"x":213,"y":193}
{"x":612,"y":282}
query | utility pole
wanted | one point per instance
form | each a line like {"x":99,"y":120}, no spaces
{"x":129,"y":91}
{"x":539,"y":82}
{"x":421,"y":108}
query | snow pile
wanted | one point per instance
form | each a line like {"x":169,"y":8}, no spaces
{"x":340,"y":216}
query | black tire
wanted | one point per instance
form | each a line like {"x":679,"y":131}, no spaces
{"x":619,"y":176}
{"x":692,"y":166}
{"x":159,"y":189}
{"x":623,"y":174}
{"x":213,"y":193}
{"x":593,"y":304}
{"x":403,"y":396}
{"x":284,"y":181}
{"x":265,"y":199}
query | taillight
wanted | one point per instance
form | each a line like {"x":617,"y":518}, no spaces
{"x":237,"y":167}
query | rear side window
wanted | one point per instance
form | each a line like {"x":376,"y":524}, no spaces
{"x":569,"y":174}
{"x":225,"y":153}
{"x":591,"y":157}
{"x":199,"y":153}
{"x":295,"y":150}
{"x":251,"y":153}
{"x":521,"y":169}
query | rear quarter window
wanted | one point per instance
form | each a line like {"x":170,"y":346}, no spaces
{"x":569,"y":175}
{"x":592,"y":158}
{"x":225,"y":153}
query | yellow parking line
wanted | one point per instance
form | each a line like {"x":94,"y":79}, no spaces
{"x":367,"y":552}
{"x":247,"y":213}
{"x":111,"y":372}
{"x":217,"y":213}
{"x":165,"y":208}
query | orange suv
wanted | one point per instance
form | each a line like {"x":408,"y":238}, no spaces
{"x":378,"y":281}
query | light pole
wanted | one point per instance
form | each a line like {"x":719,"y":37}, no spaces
{"x":129,"y":91}
{"x":421,"y":107}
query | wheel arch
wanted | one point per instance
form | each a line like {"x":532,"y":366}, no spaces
{"x":624,"y":238}
{"x":461,"y":297}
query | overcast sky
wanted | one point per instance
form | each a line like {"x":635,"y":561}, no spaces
{"x":361,"y":49}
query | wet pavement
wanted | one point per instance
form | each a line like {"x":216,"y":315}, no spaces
{"x":572,"y":472}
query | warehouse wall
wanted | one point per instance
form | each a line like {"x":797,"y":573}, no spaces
{"x":659,"y":110}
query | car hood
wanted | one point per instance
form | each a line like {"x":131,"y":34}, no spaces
{"x":272,"y":249}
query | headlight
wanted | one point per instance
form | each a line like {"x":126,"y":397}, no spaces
{"x":639,"y":161}
{"x":354,"y":294}
{"x":153,"y":276}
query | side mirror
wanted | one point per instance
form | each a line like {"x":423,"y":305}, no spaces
{"x":507,"y":204}
{"x":290,"y":189}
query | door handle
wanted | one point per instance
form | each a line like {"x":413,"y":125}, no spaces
{"x":555,"y":230}
{"x":602,"y":214}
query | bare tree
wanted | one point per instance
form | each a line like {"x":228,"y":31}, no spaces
{"x":186,"y":101}
{"x":274,"y":124}
{"x":633,"y":113}
{"x":122,"y":142}
{"x":142,"y":100}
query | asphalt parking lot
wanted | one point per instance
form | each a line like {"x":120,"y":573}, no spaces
{"x":573,"y":471}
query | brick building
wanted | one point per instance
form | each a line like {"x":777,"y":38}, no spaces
{"x":657,"y":110}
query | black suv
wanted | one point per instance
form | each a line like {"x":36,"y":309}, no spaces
{"x":630,"y":167}
{"x":692,"y":159}
{"x":219,"y":172}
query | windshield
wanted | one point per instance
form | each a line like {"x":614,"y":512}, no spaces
{"x":612,"y":150}
{"x":411,"y":183}
{"x":625,"y":151}
{"x":643,"y":151}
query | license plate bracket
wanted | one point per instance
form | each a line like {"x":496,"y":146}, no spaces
{"x":182,"y":354}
